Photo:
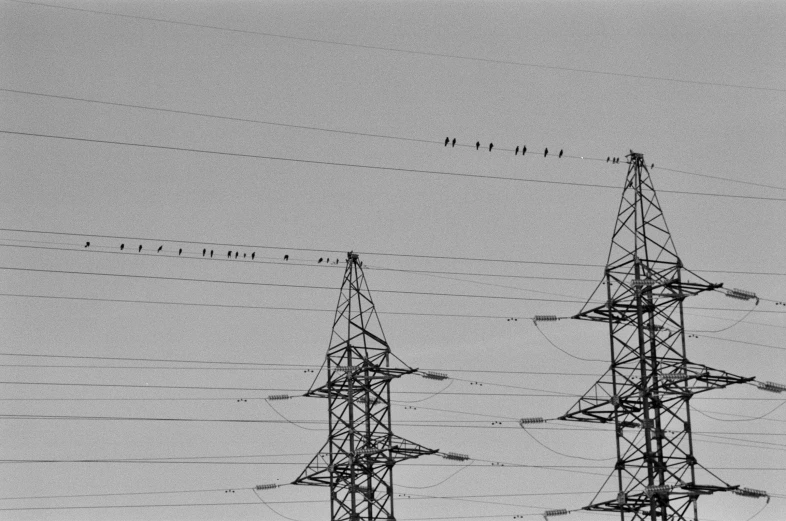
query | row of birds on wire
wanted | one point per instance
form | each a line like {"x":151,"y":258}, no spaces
{"x":523,"y":149}
{"x":230,"y":253}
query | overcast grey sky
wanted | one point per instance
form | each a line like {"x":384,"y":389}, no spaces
{"x":698,"y":87}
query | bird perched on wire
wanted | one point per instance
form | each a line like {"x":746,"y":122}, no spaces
{"x":546,"y":152}
{"x":608,"y":159}
{"x":477,"y":145}
{"x":211,"y":254}
{"x":491,"y":145}
{"x":286,"y":257}
{"x":204,"y":251}
{"x":523,"y":151}
{"x":454,"y":143}
{"x":236,"y":255}
{"x":560,"y":152}
{"x":140,"y":248}
{"x":122,"y":246}
{"x":160,"y":248}
{"x":252,"y":255}
{"x":320,"y":260}
{"x":87,"y":244}
{"x":180,"y":251}
{"x":447,"y":140}
{"x":229,"y":254}
{"x":516,"y":152}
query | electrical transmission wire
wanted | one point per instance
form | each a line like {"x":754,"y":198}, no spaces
{"x":370,"y":167}
{"x":271,"y":508}
{"x":440,"y":482}
{"x":287,"y":419}
{"x":560,"y":349}
{"x":331,"y":130}
{"x":276,"y":285}
{"x":743,"y":342}
{"x":376,"y":253}
{"x":759,"y":511}
{"x":562,"y":453}
{"x":282,"y":308}
{"x":744,"y":419}
{"x":429,"y":396}
{"x":412,"y":52}
{"x":742,"y":319}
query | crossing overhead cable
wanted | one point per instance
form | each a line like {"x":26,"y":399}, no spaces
{"x":334,"y":131}
{"x":408,"y":51}
{"x":368,"y":167}
{"x":271,"y":284}
{"x":375,"y":253}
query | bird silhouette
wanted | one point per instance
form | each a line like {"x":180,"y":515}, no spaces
{"x":327,"y":261}
{"x":523,"y":151}
{"x":454,"y":142}
{"x":608,"y":159}
{"x":122,"y":246}
{"x":229,"y":254}
{"x":160,"y":248}
{"x":320,"y":260}
{"x":236,"y":255}
{"x":211,"y":254}
{"x":286,"y":257}
{"x":140,"y":247}
{"x":244,"y":255}
{"x":447,"y":140}
{"x":477,"y":145}
{"x":652,"y":165}
{"x":516,"y":152}
{"x":491,"y":145}
{"x":545,"y":152}
{"x":204,"y":251}
{"x":253,"y":254}
{"x":180,"y":251}
{"x":87,"y":244}
{"x":560,"y":152}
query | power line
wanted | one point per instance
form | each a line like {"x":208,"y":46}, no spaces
{"x":239,"y":306}
{"x":276,"y":364}
{"x":172,"y":360}
{"x":331,"y":130}
{"x":376,"y":253}
{"x":413,"y":52}
{"x":279,"y":308}
{"x":743,"y":342}
{"x":720,"y":178}
{"x":371,"y":167}
{"x":277,"y":285}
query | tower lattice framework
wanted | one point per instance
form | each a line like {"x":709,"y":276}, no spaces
{"x":646,"y":391}
{"x":357,"y":460}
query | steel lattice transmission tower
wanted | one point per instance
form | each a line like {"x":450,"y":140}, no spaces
{"x":647,"y":390}
{"x":357,"y":460}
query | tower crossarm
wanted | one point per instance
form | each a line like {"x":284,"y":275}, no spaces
{"x":622,"y":307}
{"x":639,"y":502}
{"x":674,"y":382}
{"x":403,"y":449}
